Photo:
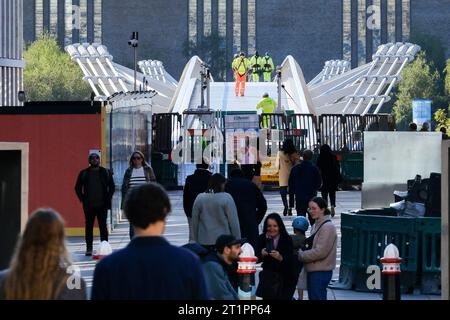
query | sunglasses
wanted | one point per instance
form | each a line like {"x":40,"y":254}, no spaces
{"x":136,"y":158}
{"x":94,"y":157}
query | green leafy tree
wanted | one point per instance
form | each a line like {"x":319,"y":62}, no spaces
{"x":50,"y":75}
{"x":442,"y":118}
{"x":418,"y":82}
{"x":211,"y":49}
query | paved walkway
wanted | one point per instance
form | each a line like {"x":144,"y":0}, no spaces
{"x":177,"y":234}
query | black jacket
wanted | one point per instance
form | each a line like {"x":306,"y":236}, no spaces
{"x":251,"y":206}
{"x":284,"y":267}
{"x":330,"y":171}
{"x":82,"y":190}
{"x":195,"y":184}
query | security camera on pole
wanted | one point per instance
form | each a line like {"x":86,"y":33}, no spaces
{"x":134,"y":43}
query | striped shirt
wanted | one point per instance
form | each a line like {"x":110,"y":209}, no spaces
{"x":137,"y":177}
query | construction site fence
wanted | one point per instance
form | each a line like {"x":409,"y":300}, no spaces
{"x":343,"y":133}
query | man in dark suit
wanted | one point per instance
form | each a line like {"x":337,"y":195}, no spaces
{"x":304,"y":182}
{"x":95,"y":189}
{"x":195,"y":184}
{"x":250,"y":203}
{"x":149,"y":267}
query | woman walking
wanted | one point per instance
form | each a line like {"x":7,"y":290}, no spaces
{"x":139,"y":172}
{"x":319,"y":254}
{"x":214,"y":213}
{"x":331,"y":175}
{"x":287,"y":157}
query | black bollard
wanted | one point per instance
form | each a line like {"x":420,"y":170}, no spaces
{"x":391,"y":273}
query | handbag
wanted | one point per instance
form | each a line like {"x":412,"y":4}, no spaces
{"x":270,"y":284}
{"x":309,"y":241}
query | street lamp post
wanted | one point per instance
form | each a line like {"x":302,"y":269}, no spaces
{"x":134,"y":43}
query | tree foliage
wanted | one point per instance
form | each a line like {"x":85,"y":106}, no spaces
{"x":442,"y":118}
{"x":50,"y":75}
{"x":418,"y":82}
{"x":211,"y":49}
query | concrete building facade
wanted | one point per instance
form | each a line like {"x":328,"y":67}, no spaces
{"x":11,"y":49}
{"x":311,"y":31}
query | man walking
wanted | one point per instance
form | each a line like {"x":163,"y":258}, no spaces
{"x":240,"y":67}
{"x":195,"y":184}
{"x":304,"y":182}
{"x":250,"y":203}
{"x":149,"y":267}
{"x":95,"y":189}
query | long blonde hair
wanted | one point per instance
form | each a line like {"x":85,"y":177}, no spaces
{"x":38,"y":267}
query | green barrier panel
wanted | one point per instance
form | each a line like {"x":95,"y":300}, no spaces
{"x":165,"y":171}
{"x":352,"y":166}
{"x":364,"y":238}
{"x":429,"y":230}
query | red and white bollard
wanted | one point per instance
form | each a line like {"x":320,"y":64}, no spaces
{"x":391,"y":273}
{"x":246,"y":270}
{"x":103,"y":250}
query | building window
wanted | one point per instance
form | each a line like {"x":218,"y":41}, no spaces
{"x":207,"y":18}
{"x":376,"y":29}
{"x":83,"y":21}
{"x":391,"y":21}
{"x":39,"y":18}
{"x":193,"y":21}
{"x":68,"y":22}
{"x":347,"y":30}
{"x":54,"y":18}
{"x":236,"y":25}
{"x":251,"y":26}
{"x":361,"y":32}
{"x":98,"y":21}
{"x":406,"y":20}
{"x":222,"y":18}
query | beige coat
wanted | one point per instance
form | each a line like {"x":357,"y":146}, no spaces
{"x":322,"y":255}
{"x":284,"y":163}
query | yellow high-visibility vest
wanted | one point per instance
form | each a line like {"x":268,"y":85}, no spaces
{"x":268,"y":105}
{"x":241,"y":64}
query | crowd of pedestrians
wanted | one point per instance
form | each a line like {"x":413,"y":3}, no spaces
{"x":222,"y":214}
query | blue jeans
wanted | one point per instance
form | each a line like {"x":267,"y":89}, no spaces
{"x":317,"y":283}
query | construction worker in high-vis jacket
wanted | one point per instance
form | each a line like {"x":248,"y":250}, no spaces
{"x":267,"y":105}
{"x":240,"y":67}
{"x":257,"y":68}
{"x":268,"y":67}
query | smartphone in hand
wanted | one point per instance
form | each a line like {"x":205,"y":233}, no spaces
{"x":269,"y":245}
